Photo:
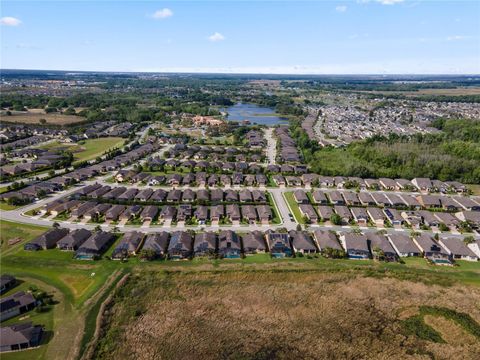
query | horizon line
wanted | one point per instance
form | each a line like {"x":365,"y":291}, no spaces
{"x":242,"y":73}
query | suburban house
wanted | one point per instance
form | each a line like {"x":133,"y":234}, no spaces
{"x":403,"y":245}
{"x":94,"y":246}
{"x":249,"y":214}
{"x":16,"y":304}
{"x":48,"y":240}
{"x":326,"y":239}
{"x":325,"y":212}
{"x":264,"y":214}
{"x":97,"y":212}
{"x":20,"y":336}
{"x":7,"y":282}
{"x":184,"y":212}
{"x":475,"y":247}
{"x":216,"y":213}
{"x":319,"y":197}
{"x":205,"y":244}
{"x":114,"y":193}
{"x":82,"y":209}
{"x":229,"y":245}
{"x":149,"y":213}
{"x":394,"y":217}
{"x":308,"y":212}
{"x":360,"y":215}
{"x":336,"y":198}
{"x":157,"y":242}
{"x":457,"y":249}
{"x":279,"y":244}
{"x":423,"y":184}
{"x":128,"y":246}
{"x":180,"y":246}
{"x":381,"y":248}
{"x":430,"y":201}
{"x":144,"y":195}
{"x":254,"y":242}
{"x":366,"y":199}
{"x":381,"y":200}
{"x":355,"y":245}
{"x":300,"y":197}
{"x":413,"y":219}
{"x":201,"y":214}
{"x":128,"y":195}
{"x":302,"y":242}
{"x":431,"y":250}
{"x":233,"y":212}
{"x":343,"y":212}
{"x":74,"y":239}
{"x":377,"y":216}
{"x":159,"y":195}
{"x":114,"y":212}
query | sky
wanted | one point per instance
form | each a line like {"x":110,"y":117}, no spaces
{"x":281,"y":37}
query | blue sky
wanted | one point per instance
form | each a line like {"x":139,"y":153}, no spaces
{"x":312,"y":37}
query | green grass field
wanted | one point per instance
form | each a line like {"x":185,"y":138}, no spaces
{"x":92,"y":148}
{"x":294,"y":207}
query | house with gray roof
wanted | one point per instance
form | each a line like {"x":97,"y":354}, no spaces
{"x":74,"y":239}
{"x":205,"y":244}
{"x":48,"y":240}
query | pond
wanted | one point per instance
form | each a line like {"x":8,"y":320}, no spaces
{"x":255,"y":114}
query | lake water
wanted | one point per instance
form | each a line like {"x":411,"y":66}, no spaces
{"x":255,"y":114}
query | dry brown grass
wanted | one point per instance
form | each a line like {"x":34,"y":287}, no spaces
{"x":33,"y":117}
{"x":276,"y":315}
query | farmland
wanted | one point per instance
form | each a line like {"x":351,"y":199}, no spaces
{"x":33,"y":117}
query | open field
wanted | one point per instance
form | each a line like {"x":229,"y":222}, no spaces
{"x":281,"y":295}
{"x":33,"y":117}
{"x":475,"y":189}
{"x":282,"y":315}
{"x":92,"y":148}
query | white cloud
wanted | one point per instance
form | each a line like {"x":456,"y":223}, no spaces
{"x":162,"y":14}
{"x":457,"y":37}
{"x":216,"y":37}
{"x":10,"y":21}
{"x":341,"y":8}
{"x":383,"y":2}
{"x":389,"y":2}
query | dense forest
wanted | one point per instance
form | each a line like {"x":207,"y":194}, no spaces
{"x":453,"y":154}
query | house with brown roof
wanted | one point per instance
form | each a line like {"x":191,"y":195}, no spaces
{"x":302,"y":242}
{"x":48,"y":240}
{"x":205,"y":244}
{"x":229,"y":245}
{"x":254,"y":242}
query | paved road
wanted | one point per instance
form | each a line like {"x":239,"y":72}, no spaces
{"x":271,"y":146}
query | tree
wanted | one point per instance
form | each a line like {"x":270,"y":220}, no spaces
{"x":147,"y":254}
{"x":469,"y":239}
{"x":42,"y":121}
{"x":336,"y":219}
{"x":56,"y":225}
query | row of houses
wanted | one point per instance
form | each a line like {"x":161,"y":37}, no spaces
{"x":216,"y":153}
{"x":200,"y":179}
{"x":58,"y":183}
{"x":121,"y":193}
{"x":288,"y":150}
{"x":227,"y":243}
{"x":310,"y":180}
{"x":402,"y":201}
{"x":380,"y":217}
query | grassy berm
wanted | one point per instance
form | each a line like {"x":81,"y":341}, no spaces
{"x":288,"y":314}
